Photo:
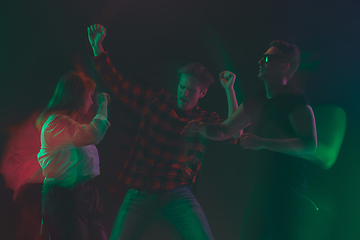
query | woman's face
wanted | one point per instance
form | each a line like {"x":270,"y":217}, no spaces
{"x":88,"y":102}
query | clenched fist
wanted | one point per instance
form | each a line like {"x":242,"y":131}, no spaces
{"x":103,"y":98}
{"x":227,"y":79}
{"x":96,"y":34}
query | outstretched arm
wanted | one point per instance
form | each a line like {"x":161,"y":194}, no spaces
{"x":227,"y":80}
{"x":303,"y":122}
{"x":220,"y":131}
{"x":133,"y":95}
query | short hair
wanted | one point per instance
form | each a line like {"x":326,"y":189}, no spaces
{"x":199,"y":71}
{"x":69,"y":94}
{"x":290,"y":53}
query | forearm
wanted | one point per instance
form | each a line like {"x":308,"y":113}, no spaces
{"x":232,"y":125}
{"x":99,"y":124}
{"x":68,"y":131}
{"x":111,"y":79}
{"x":213,"y":131}
{"x":292,"y":146}
{"x":97,"y":49}
{"x":132,"y":95}
{"x":323,"y":157}
{"x":102,"y":110}
{"x":232,"y":105}
{"x":232,"y":102}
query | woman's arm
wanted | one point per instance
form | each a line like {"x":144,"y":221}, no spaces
{"x":63,"y":130}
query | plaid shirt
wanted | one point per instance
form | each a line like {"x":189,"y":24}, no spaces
{"x":160,"y":159}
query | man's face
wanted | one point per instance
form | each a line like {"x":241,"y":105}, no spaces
{"x":189,"y":91}
{"x":271,"y":66}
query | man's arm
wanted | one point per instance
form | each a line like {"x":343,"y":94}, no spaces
{"x":96,"y":34}
{"x":330,"y":128}
{"x":221,"y":131}
{"x":227,"y":80}
{"x":133,"y":95}
{"x":303,"y":122}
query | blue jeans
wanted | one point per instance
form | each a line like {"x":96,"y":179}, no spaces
{"x":178,"y":205}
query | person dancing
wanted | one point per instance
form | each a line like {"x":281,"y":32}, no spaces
{"x":162,"y":166}
{"x":282,"y":128}
{"x":71,"y":204}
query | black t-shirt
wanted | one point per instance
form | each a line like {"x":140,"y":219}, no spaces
{"x":270,"y":119}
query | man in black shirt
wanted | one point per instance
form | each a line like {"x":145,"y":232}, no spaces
{"x":281,"y":129}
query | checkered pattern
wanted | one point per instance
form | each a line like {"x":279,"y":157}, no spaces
{"x":160,"y":159}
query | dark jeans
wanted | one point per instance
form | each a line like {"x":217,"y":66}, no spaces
{"x":273,"y":212}
{"x":178,"y":205}
{"x":73,"y":213}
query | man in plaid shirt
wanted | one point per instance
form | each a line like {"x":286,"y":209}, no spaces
{"x":162,"y":165}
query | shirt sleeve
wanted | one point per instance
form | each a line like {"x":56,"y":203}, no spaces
{"x":63,"y":131}
{"x":133,"y":95}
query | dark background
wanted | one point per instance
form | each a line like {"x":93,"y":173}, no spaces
{"x":148,"y":40}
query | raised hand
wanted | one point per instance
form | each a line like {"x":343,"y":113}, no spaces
{"x":191,"y":127}
{"x":227,"y":79}
{"x":96,"y":34}
{"x":103,"y":98}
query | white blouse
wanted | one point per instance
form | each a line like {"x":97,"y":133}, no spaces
{"x":68,"y":154}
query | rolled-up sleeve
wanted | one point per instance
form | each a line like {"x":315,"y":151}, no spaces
{"x":64,"y":131}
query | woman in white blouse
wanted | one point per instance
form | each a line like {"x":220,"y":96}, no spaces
{"x":72,"y":208}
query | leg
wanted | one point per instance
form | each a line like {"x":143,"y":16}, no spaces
{"x":93,"y":209}
{"x":285,"y":214}
{"x":58,"y":209}
{"x":181,"y":208}
{"x":66,"y":211}
{"x":255,"y":222}
{"x":272,"y":213}
{"x":135,"y":213}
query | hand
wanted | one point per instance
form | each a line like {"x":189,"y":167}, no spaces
{"x":103,"y":98}
{"x":96,"y":34}
{"x":191,"y":127}
{"x":251,"y":141}
{"x":227,"y":79}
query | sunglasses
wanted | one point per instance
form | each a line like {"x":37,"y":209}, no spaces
{"x":268,"y":57}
